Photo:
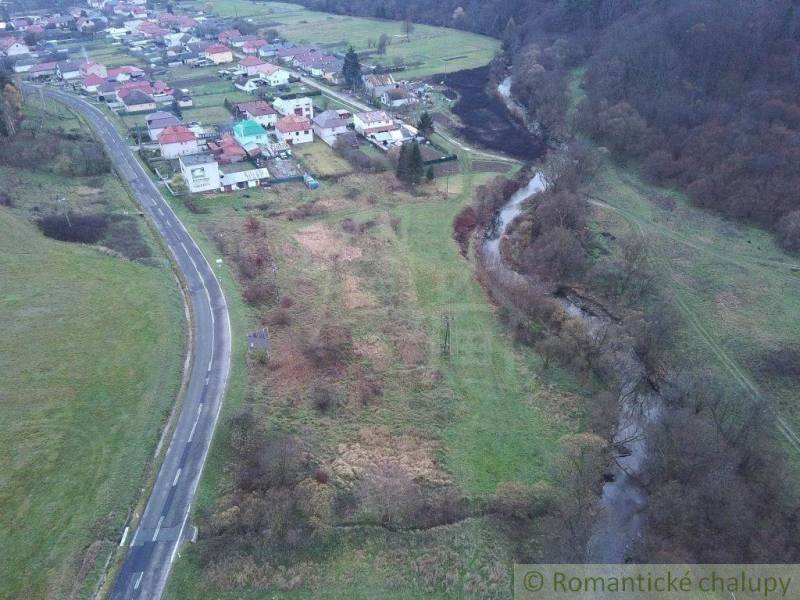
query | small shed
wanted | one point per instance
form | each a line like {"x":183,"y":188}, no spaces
{"x":259,"y":340}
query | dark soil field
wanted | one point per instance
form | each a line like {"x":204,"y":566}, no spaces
{"x":486,"y":120}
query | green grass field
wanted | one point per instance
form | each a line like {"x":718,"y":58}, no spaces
{"x":490,"y":409}
{"x":91,"y":357}
{"x":428,"y":50}
{"x":739,"y":293}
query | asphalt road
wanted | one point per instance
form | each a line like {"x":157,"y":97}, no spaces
{"x":163,"y":525}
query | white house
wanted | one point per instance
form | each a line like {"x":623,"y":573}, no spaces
{"x":242,"y":176}
{"x":375,"y":85}
{"x":200,"y":172}
{"x":177,"y":141}
{"x":274,"y":75}
{"x":330,"y":124}
{"x":12,"y":47}
{"x":301,"y":107}
{"x":396,"y":97}
{"x":68,"y":70}
{"x":218,"y":54}
{"x":372,"y":122}
{"x":295,"y":129}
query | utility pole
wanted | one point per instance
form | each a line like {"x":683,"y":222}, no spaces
{"x":62,"y":201}
{"x":446,"y":336}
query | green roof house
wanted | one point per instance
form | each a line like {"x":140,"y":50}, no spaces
{"x":250,"y":132}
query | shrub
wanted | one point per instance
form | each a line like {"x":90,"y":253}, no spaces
{"x":83,"y":229}
{"x":260,"y":293}
{"x":323,"y":398}
{"x":6,"y":200}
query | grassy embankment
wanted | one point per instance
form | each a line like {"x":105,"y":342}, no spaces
{"x":738,"y":292}
{"x":428,"y":50}
{"x":483,"y":416}
{"x":91,"y":358}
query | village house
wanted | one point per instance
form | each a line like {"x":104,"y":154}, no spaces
{"x":177,"y":141}
{"x":183,"y":99}
{"x":12,"y":47}
{"x":274,"y":75}
{"x":218,"y":54}
{"x":287,"y":54}
{"x":302,"y":106}
{"x":243,"y":84}
{"x":200,"y":172}
{"x":250,"y":47}
{"x":249,"y":65}
{"x":158,"y":121}
{"x":375,"y":85}
{"x":269,"y":50}
{"x":138,"y":101}
{"x":91,"y":83}
{"x":242,"y":176}
{"x":42,"y":70}
{"x":259,"y":111}
{"x":250,"y":132}
{"x":227,"y":35}
{"x":124,"y":73}
{"x":372,"y":122}
{"x":23,"y":65}
{"x":68,"y":70}
{"x":227,"y":150}
{"x":295,"y":129}
{"x":331,"y":124}
{"x":396,"y":97}
{"x":93,"y":68}
{"x":130,"y":86}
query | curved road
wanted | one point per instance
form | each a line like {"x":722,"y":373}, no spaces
{"x":164,"y":523}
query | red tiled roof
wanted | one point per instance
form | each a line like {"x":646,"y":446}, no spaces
{"x":292,"y":123}
{"x":256,"y":108}
{"x":217,"y":49}
{"x":175,"y":135}
{"x":251,"y":61}
{"x":93,"y":79}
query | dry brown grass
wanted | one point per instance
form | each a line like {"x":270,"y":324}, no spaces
{"x":375,"y":447}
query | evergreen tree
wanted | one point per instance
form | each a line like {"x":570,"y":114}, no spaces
{"x":509,"y":35}
{"x":402,"y":171}
{"x":416,"y":168}
{"x":429,"y":174}
{"x":351,"y":69}
{"x":425,"y":124}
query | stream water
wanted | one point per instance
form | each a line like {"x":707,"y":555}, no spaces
{"x":623,"y":500}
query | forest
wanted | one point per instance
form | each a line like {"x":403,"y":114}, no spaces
{"x":700,"y":94}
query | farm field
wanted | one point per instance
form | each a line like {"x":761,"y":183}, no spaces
{"x":736,"y":289}
{"x":91,"y":357}
{"x":362,"y":254}
{"x":429,"y":50}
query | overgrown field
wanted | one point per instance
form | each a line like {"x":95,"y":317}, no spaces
{"x":427,"y":50}
{"x":91,"y":357}
{"x":365,"y":278}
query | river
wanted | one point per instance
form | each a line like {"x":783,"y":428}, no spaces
{"x":623,"y":501}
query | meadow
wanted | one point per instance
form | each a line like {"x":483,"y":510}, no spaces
{"x":737,"y":291}
{"x":91,"y":356}
{"x":484,"y":414}
{"x":427,"y":50}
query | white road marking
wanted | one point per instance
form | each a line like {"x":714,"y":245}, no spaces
{"x":138,"y":580}
{"x":177,"y":475}
{"x":124,"y":537}
{"x":158,"y":528}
